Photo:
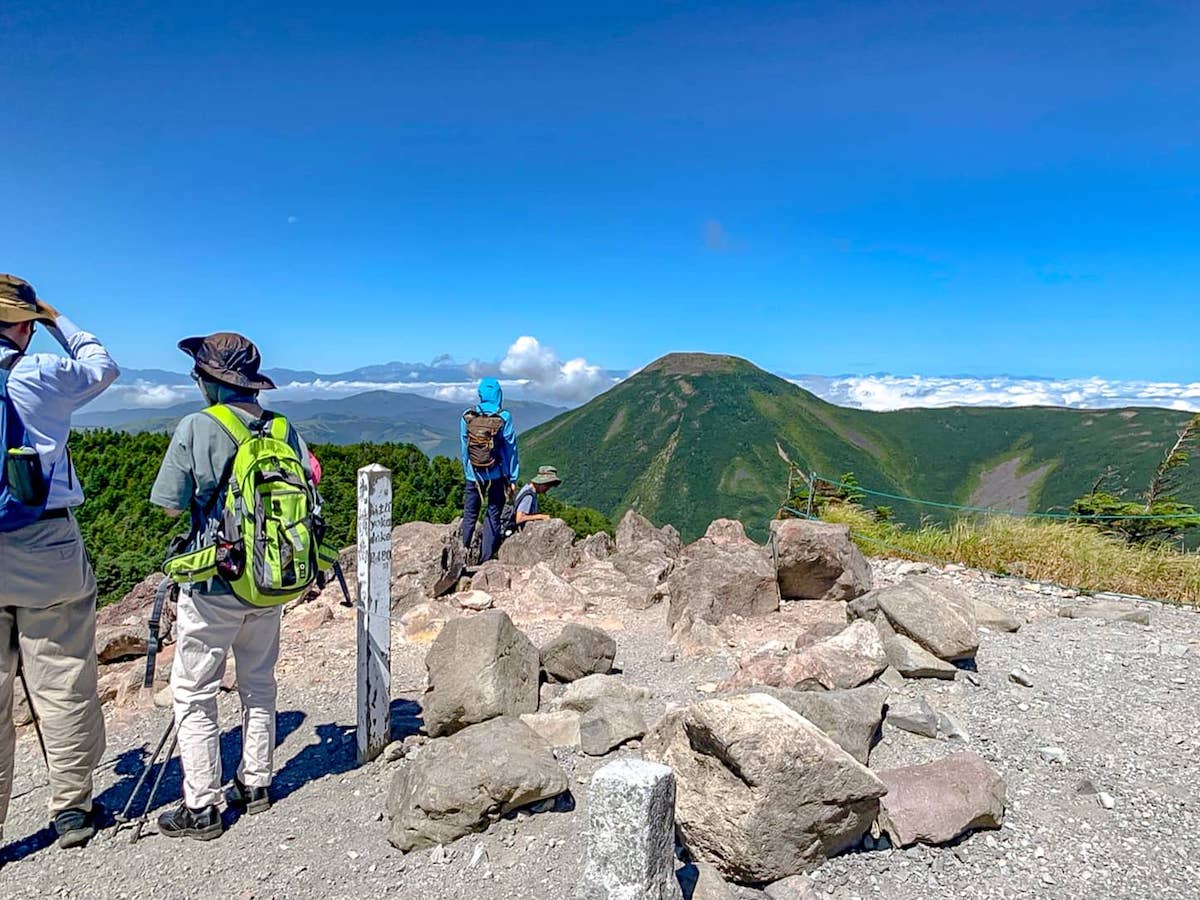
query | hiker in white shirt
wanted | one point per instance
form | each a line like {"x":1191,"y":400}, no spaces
{"x":48,"y":590}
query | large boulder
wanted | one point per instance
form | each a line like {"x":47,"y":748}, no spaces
{"x":558,"y":729}
{"x":493,"y":577}
{"x":635,"y":533}
{"x":602,"y":582}
{"x":912,"y":660}
{"x":818,"y":561}
{"x":647,"y":575}
{"x":586,"y":693}
{"x":935,"y":613}
{"x":995,"y":619}
{"x":462,"y":784}
{"x":542,"y":595}
{"x":421,"y":560}
{"x":852,"y":718}
{"x":578,"y":651}
{"x":762,"y":792}
{"x":645,"y":555}
{"x":609,"y":724}
{"x":548,"y":542}
{"x":846,"y":660}
{"x":729,"y":531}
{"x":594,"y":547}
{"x":939,"y":802}
{"x":480,"y":667}
{"x":721,"y":577}
{"x":423,"y":622}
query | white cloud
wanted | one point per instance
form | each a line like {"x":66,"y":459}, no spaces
{"x":885,"y":392}
{"x":457,"y":393}
{"x":543,"y":374}
{"x":145,"y":394}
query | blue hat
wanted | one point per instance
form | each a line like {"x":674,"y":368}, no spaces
{"x":491,"y":396}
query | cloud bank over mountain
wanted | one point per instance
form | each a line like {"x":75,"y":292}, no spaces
{"x":887,"y":392}
{"x":531,"y":370}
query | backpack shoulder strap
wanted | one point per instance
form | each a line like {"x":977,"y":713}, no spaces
{"x":228,"y":419}
{"x":278,"y":427}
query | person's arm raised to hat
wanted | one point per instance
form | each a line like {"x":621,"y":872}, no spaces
{"x":90,"y":369}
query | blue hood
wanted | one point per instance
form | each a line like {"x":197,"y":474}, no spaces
{"x":491,"y":397}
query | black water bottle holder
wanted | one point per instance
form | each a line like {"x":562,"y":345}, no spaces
{"x":26,"y":480}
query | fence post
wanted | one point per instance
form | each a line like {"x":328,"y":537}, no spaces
{"x":812,"y":490}
{"x":374,"y":611}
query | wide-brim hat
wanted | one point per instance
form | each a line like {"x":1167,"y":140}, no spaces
{"x":228,"y":358}
{"x":19,"y":303}
{"x":546,"y":475}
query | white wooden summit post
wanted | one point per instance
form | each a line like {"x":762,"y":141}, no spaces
{"x":374,"y":611}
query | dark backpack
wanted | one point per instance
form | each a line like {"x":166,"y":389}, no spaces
{"x":482,"y":433}
{"x":24,"y":488}
{"x":508,"y":518}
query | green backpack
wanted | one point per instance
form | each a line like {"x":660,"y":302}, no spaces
{"x":267,"y":542}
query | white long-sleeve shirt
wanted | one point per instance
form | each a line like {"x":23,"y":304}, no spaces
{"x":47,"y":389}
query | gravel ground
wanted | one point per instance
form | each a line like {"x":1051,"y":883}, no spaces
{"x":1117,"y":700}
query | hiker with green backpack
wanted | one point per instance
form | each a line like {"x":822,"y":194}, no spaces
{"x":490,"y":463}
{"x":244,"y":475}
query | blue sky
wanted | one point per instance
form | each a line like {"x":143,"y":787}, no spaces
{"x":830,"y":188}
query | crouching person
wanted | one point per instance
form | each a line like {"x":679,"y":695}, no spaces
{"x":244,"y":476}
{"x":47,"y":588}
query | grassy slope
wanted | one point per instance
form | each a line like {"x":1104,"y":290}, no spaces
{"x":694,"y":437}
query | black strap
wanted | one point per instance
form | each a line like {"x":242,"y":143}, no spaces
{"x":154,"y":639}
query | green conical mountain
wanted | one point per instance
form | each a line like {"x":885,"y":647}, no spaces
{"x":695,"y":436}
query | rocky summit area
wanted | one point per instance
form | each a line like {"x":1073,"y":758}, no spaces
{"x":820,"y":724}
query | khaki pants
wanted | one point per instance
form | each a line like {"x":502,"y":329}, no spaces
{"x":48,"y":616}
{"x":208,"y":628}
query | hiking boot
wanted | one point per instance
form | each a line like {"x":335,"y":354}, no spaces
{"x":253,"y":800}
{"x":183,"y":821}
{"x":75,"y":827}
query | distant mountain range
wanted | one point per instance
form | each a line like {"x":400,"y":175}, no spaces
{"x":693,"y":437}
{"x":444,"y":379}
{"x":370,"y":417}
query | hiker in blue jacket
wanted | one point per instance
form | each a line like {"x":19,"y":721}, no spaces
{"x":490,"y":462}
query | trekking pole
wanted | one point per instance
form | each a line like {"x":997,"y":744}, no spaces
{"x":162,"y":770}
{"x":37,"y":724}
{"x":341,"y":577}
{"x":123,"y":816}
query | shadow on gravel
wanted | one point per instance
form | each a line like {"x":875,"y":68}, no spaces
{"x":406,"y":719}
{"x":129,"y":765}
{"x":333,"y":753}
{"x":335,"y":750}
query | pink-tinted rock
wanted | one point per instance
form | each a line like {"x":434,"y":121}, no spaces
{"x":939,"y":802}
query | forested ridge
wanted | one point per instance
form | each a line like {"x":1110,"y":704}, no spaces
{"x":127,"y":538}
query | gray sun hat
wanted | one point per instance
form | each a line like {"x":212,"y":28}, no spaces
{"x":546,"y":475}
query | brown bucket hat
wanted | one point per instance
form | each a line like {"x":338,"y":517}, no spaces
{"x":228,"y":358}
{"x":19,"y":303}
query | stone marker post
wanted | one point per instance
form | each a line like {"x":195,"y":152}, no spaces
{"x":631,"y":834}
{"x":374,"y":611}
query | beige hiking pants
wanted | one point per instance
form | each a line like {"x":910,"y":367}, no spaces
{"x":48,"y":615}
{"x":208,"y":628}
